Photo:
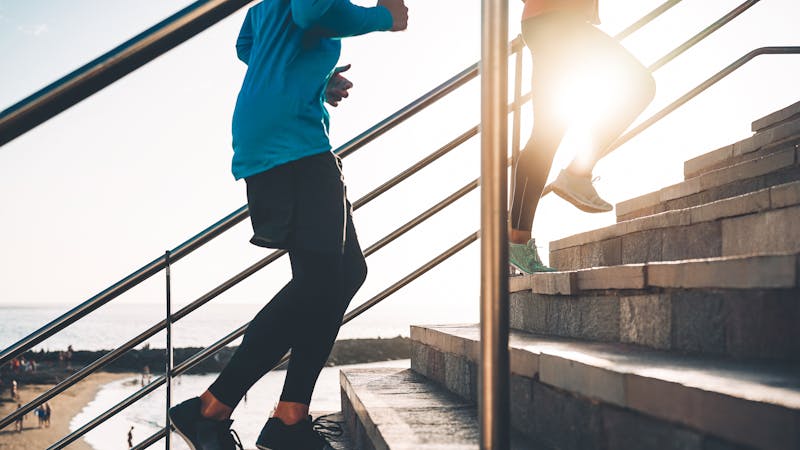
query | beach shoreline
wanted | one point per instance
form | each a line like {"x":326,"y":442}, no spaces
{"x":65,"y":407}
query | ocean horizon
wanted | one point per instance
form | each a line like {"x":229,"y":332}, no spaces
{"x":114,"y":324}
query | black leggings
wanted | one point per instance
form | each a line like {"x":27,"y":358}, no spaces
{"x":565,"y":47}
{"x":304,"y":316}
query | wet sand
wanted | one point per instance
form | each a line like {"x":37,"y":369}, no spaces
{"x":65,"y":406}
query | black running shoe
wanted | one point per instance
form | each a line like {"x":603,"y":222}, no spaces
{"x":201,"y":433}
{"x":305,"y":435}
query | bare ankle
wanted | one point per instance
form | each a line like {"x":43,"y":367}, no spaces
{"x":291,"y":413}
{"x":213,"y":409}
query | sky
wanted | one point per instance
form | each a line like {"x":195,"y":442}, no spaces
{"x":109,"y":185}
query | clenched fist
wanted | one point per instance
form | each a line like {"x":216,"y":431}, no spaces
{"x":399,"y":13}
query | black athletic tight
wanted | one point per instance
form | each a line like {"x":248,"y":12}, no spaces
{"x":565,"y":47}
{"x":304,"y":316}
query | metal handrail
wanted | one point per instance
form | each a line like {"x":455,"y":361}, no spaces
{"x":113,"y":65}
{"x":785,"y":50}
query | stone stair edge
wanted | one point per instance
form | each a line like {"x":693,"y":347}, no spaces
{"x":760,"y":271}
{"x":774,"y":197}
{"x":776,"y":117}
{"x":752,"y":168}
{"x":651,"y":382}
{"x":763,"y":142}
{"x":438,"y":408}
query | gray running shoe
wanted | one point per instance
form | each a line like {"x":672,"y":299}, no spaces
{"x":525,"y":258}
{"x":201,"y":433}
{"x":579,"y":191}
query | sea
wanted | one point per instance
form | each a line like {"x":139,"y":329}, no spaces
{"x":147,"y":416}
{"x":115,"y":324}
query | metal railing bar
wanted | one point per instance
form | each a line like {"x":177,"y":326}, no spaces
{"x":652,"y":15}
{"x":699,"y":89}
{"x":410,"y":277}
{"x":113,"y":65}
{"x":121,"y":287}
{"x":702,"y":35}
{"x":432,"y":211}
{"x":220,"y":344}
{"x":155,"y":437}
{"x":133,"y":398}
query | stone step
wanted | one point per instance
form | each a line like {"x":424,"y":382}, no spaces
{"x":771,"y":139}
{"x":760,"y":222}
{"x":777,"y":118}
{"x":569,"y":394}
{"x":741,"y":307}
{"x":399,"y":409}
{"x":779,"y":167}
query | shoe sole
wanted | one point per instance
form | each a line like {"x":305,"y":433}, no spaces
{"x":261,"y":447}
{"x":183,"y":436}
{"x":574,"y":201}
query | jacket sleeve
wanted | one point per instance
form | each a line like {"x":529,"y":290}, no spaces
{"x":340,"y":18}
{"x":245,"y":40}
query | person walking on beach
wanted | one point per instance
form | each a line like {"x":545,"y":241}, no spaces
{"x":297,"y":201}
{"x":14,"y":390}
{"x":19,"y":424}
{"x":130,"y":438}
{"x":570,"y":55}
{"x":47,"y":413}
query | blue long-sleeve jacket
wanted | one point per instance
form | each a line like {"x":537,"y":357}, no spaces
{"x":291,"y":48}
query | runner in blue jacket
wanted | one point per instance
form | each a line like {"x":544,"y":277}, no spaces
{"x":297,"y":201}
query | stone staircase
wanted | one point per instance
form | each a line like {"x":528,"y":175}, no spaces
{"x":678,"y":327}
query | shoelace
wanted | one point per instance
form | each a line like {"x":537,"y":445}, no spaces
{"x":235,"y":440}
{"x":327,"y":428}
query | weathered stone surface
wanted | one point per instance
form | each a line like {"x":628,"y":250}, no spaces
{"x":763,"y":324}
{"x":730,"y":207}
{"x":646,"y":320}
{"x":702,"y":240}
{"x":698,"y":322}
{"x":692,"y":167}
{"x":768,"y":271}
{"x":400,"y":409}
{"x":588,"y":317}
{"x":785,"y":195}
{"x":643,"y":246}
{"x":637,"y":203}
{"x":554,"y":283}
{"x":566,"y":259}
{"x":768,"y":136}
{"x":776,"y":117}
{"x":591,"y":381}
{"x":614,"y":277}
{"x":519,"y":283}
{"x":627,"y":431}
{"x":603,"y":253}
{"x":771,"y":232}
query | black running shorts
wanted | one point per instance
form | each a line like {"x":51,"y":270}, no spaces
{"x":301,"y":204}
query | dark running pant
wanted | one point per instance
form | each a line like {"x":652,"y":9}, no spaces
{"x":304,"y":316}
{"x":564,"y":46}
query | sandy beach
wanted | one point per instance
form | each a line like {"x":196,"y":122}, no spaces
{"x":65,"y":406}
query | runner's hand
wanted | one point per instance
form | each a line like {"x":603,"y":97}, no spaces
{"x":337,"y":86}
{"x":399,"y":13}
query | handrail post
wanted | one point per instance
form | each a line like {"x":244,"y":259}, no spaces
{"x":493,"y":377}
{"x":170,"y":362}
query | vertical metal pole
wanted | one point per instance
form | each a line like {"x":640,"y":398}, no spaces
{"x":170,"y":362}
{"x":493,"y":395}
{"x":515,"y":134}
